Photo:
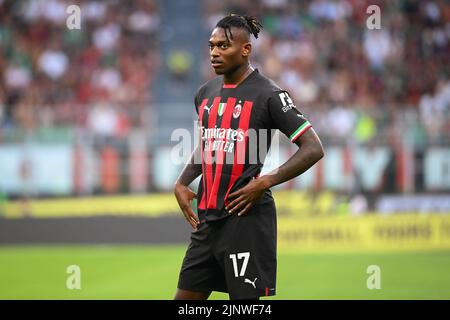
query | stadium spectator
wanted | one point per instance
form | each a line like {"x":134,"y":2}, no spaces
{"x":52,"y":76}
{"x":324,"y":55}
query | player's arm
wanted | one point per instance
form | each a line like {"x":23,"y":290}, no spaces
{"x":285,"y":116}
{"x":309,"y":152}
{"x":183,"y":193}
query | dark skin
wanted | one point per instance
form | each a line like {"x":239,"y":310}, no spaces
{"x":230,"y":58}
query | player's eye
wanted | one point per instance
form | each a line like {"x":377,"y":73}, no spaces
{"x":222,"y":46}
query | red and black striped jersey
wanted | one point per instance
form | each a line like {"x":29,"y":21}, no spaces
{"x":237,"y":123}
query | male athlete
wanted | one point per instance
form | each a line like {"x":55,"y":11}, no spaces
{"x":233,"y":245}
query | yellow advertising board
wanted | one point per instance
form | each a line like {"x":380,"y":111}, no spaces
{"x":372,"y":232}
{"x":306,"y":222}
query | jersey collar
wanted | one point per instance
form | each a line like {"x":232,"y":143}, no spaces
{"x":234,"y":86}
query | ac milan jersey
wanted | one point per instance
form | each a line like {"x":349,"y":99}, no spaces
{"x":237,"y":123}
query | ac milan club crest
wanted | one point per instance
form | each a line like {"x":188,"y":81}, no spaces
{"x":237,"y":111}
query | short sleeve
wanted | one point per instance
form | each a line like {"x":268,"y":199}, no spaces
{"x":285,"y":116}
{"x":198,"y":99}
{"x":196,"y":103}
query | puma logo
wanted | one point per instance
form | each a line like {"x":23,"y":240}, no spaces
{"x":251,"y":282}
{"x":207,"y":109}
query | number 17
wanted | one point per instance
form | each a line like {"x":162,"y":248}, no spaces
{"x":246,"y":256}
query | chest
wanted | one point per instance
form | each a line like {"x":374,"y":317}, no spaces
{"x":231,"y":109}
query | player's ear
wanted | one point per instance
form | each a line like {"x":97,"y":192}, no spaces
{"x":246,"y":49}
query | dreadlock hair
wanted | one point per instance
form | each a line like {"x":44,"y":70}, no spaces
{"x":249,"y":23}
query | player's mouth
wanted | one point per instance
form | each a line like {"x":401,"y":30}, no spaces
{"x":216,"y":64}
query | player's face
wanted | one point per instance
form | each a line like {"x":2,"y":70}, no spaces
{"x":227,"y":55}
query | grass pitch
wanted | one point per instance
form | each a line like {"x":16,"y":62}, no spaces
{"x":151,"y":272}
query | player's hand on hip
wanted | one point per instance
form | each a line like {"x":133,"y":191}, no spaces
{"x":243,"y":199}
{"x":184,"y":197}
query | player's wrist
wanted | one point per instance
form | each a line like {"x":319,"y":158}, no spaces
{"x":265,"y":182}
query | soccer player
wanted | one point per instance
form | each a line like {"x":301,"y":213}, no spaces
{"x":233,"y":245}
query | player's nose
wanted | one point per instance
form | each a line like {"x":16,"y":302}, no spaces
{"x":214,"y":53}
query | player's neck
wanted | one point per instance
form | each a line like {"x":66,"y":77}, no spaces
{"x":238,"y":75}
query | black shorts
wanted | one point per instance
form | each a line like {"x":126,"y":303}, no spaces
{"x":235,"y":255}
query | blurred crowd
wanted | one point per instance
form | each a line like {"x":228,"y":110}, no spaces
{"x":349,"y":79}
{"x":343,"y":74}
{"x":97,"y":77}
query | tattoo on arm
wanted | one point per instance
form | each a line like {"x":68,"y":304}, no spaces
{"x":310,"y":151}
{"x":192,"y":169}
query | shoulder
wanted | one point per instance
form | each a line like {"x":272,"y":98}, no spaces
{"x":266,"y":86}
{"x":212,"y":84}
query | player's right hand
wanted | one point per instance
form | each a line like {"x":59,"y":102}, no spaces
{"x":184,"y":197}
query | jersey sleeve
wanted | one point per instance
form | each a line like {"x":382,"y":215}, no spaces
{"x":196,"y":103}
{"x":285,"y":116}
{"x":198,"y":99}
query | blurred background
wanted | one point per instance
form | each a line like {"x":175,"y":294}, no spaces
{"x":87,"y":122}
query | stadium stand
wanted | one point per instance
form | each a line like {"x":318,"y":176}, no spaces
{"x":115,"y":90}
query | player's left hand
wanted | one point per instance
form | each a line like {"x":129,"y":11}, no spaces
{"x":245,"y":197}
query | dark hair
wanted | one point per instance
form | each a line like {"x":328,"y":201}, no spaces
{"x":249,"y":23}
